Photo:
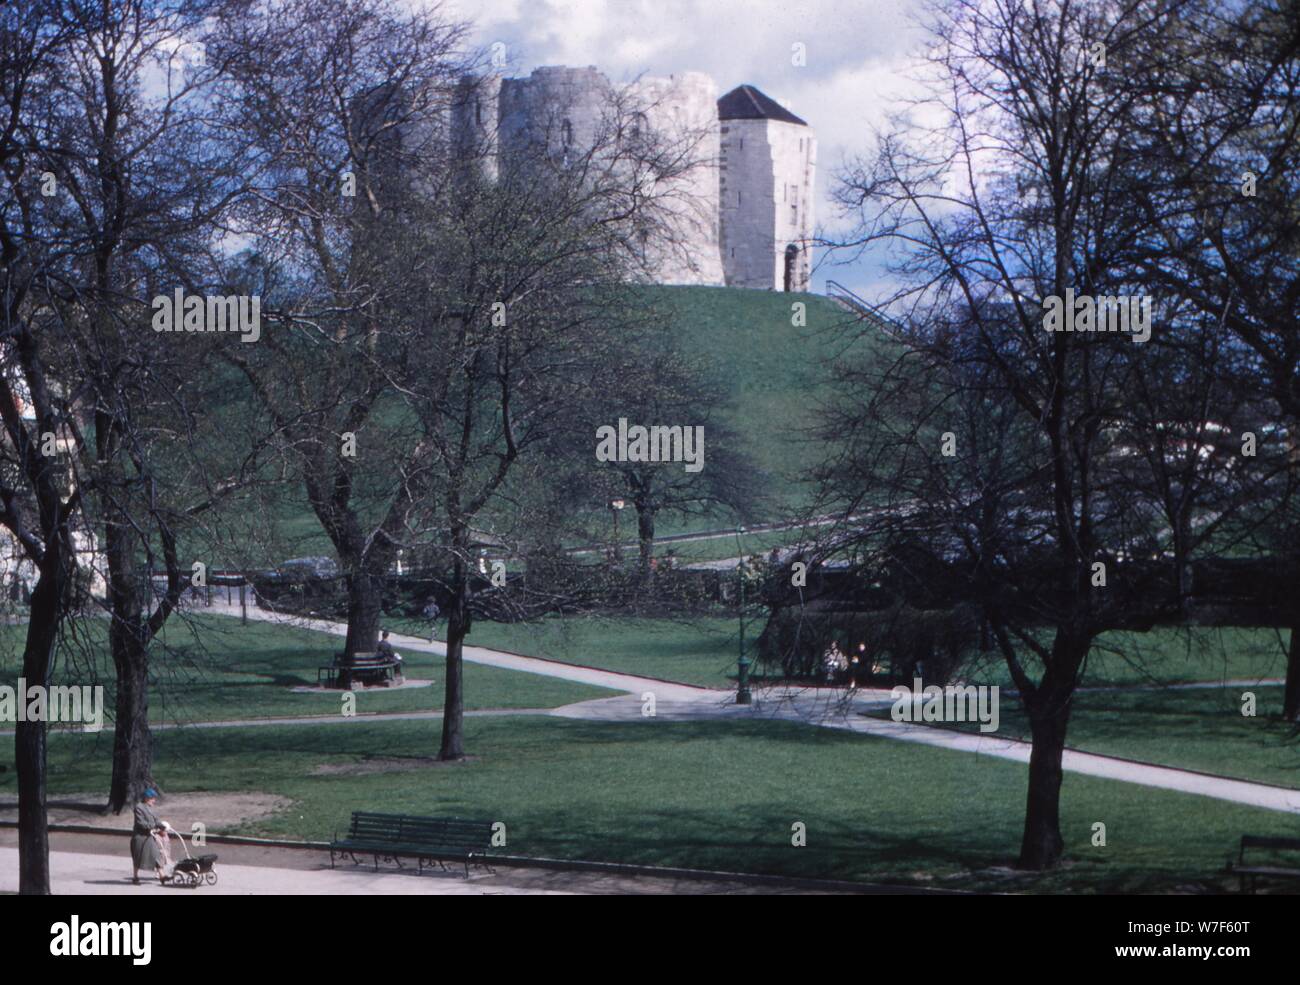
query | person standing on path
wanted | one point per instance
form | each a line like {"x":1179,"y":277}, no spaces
{"x":149,"y":834}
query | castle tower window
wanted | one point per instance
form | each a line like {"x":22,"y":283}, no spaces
{"x":566,"y":134}
{"x":478,"y":112}
{"x":791,"y":262}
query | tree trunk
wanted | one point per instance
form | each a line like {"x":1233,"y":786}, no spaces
{"x":132,"y":739}
{"x":1048,"y":707}
{"x":1291,"y":695}
{"x":453,"y":706}
{"x":33,"y":829}
{"x":365,"y":610}
{"x":30,"y":737}
{"x":1041,"y":845}
{"x":645,"y":528}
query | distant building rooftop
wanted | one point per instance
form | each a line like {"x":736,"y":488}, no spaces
{"x":747,"y":103}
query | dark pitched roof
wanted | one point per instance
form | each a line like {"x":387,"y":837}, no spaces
{"x":747,"y":103}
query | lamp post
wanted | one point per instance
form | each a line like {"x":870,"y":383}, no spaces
{"x":615,"y":505}
{"x":743,"y":697}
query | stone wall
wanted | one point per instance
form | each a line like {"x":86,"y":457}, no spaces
{"x":794,"y":161}
{"x":748,"y":215}
{"x":681,"y":112}
{"x":729,"y":219}
{"x":767,"y":175}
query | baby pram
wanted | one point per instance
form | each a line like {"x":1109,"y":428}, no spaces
{"x":191,"y":871}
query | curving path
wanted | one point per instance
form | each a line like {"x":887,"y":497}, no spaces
{"x":817,"y":707}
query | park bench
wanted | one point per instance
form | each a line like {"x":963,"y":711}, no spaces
{"x":367,"y":668}
{"x":430,"y":840}
{"x":1251,"y":874}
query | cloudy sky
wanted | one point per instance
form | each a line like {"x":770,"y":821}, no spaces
{"x":856,"y":56}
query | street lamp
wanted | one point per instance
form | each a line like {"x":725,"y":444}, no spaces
{"x":615,"y":505}
{"x":743,"y":697}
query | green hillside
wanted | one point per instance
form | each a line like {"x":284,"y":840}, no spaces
{"x":776,"y":374}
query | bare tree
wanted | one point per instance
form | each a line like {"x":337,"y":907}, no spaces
{"x":347,"y":105}
{"x":532,"y":281}
{"x":429,"y":332}
{"x":1220,"y":164}
{"x":143,"y":182}
{"x":658,"y":385}
{"x":1016,"y":199}
{"x":35,"y":512}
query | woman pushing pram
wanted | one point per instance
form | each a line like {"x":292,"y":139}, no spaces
{"x":149,"y":844}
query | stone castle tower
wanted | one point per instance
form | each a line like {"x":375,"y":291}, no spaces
{"x":742,"y":218}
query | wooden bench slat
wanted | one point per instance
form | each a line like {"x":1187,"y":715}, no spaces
{"x":437,"y":839}
{"x":1270,"y":845}
{"x":362,"y":665}
{"x":1260,"y":841}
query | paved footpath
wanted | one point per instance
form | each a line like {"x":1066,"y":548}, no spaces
{"x":482,"y":655}
{"x":813,"y":706}
{"x":85,"y":874}
{"x":99,"y":865}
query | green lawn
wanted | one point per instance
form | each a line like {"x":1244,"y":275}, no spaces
{"x":720,"y":548}
{"x":214,"y":669}
{"x":707,"y":795}
{"x":1201,"y":729}
{"x":1123,"y":709}
{"x":1165,"y":656}
{"x":699,"y":651}
{"x":704,"y":650}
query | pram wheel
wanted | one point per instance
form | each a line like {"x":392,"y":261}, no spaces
{"x":210,"y":878}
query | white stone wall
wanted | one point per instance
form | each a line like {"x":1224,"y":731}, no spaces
{"x":682,"y":114}
{"x":768,"y":169}
{"x":476,"y":119}
{"x":748,"y":214}
{"x":729,"y":220}
{"x":561,"y":107}
{"x":793,"y":152}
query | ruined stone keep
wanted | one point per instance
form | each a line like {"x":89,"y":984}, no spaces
{"x":744,"y":216}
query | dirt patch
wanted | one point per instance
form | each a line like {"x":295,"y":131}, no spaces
{"x":218,"y":812}
{"x":386,"y":764}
